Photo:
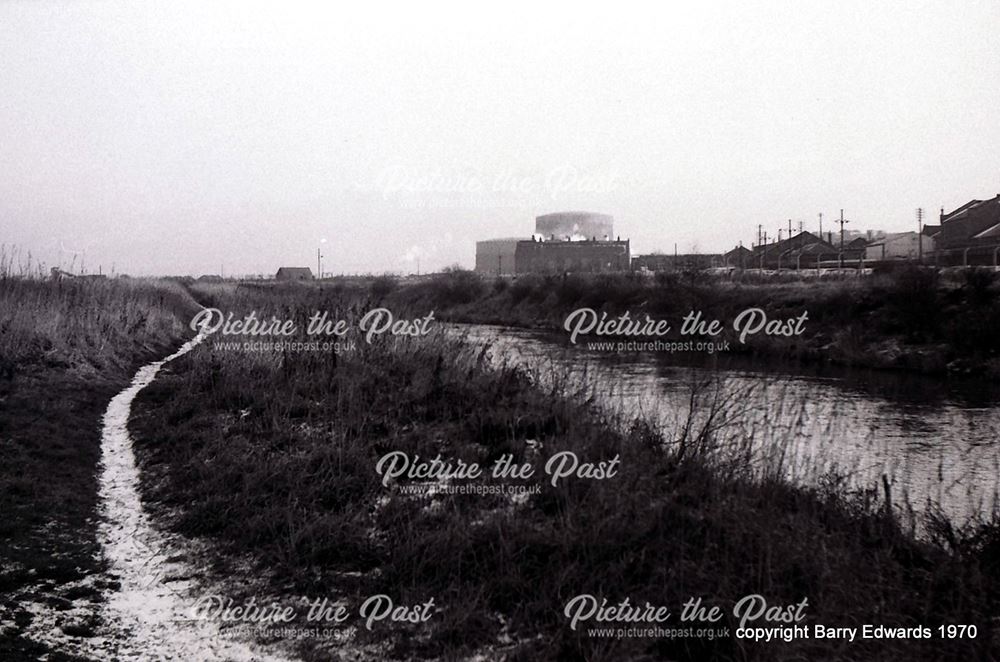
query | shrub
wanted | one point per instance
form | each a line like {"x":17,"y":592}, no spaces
{"x":383,"y":286}
{"x":914,"y":303}
{"x":979,"y":285}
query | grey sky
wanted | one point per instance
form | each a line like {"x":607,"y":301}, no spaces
{"x":177,"y":138}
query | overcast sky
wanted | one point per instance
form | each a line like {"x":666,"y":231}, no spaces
{"x":170,"y":138}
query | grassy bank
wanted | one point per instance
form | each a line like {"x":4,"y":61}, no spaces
{"x":905,"y":319}
{"x":65,"y":349}
{"x":273,"y":456}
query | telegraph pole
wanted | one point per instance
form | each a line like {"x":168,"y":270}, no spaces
{"x":842,"y":221}
{"x":920,"y":235}
{"x":319,"y":264}
{"x":821,"y":225}
{"x":789,"y":228}
{"x":759,"y":229}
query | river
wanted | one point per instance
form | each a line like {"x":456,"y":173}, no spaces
{"x":936,"y":440}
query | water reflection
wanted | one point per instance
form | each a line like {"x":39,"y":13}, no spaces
{"x":935,"y":439}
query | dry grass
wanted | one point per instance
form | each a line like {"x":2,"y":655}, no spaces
{"x":89,"y":325}
{"x":66,"y":347}
{"x":274,"y":455}
{"x":907,"y":319}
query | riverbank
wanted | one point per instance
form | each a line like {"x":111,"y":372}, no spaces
{"x":66,"y":349}
{"x":274,"y":457}
{"x":907,"y":319}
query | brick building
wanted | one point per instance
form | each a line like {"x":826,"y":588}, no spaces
{"x":571,"y":256}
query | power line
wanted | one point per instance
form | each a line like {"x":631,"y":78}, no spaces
{"x":842,"y":221}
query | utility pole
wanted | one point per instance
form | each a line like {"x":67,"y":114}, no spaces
{"x":779,"y":235}
{"x":821,"y":226}
{"x":842,"y":221}
{"x":759,"y":228}
{"x":920,"y":235}
{"x":789,"y":228}
{"x":319,"y":264}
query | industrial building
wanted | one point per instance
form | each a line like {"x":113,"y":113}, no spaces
{"x":900,"y":246}
{"x":740,"y":257}
{"x":496,"y":256}
{"x":575,"y":241}
{"x":802,"y":250}
{"x":970,"y":235}
{"x":681,"y":262}
{"x":571,"y":256}
{"x":976,"y":223}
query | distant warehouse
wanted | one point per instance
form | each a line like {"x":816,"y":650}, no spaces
{"x":294,"y":273}
{"x":571,"y":241}
{"x":571,"y":256}
{"x":507,"y":257}
{"x":496,"y":256}
{"x":664,"y":262}
{"x":900,"y":246}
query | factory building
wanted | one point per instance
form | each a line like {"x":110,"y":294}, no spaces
{"x":571,"y":256}
{"x":496,"y":256}
{"x":974,"y":224}
{"x":900,"y":246}
{"x":574,"y":241}
{"x":683,"y":262}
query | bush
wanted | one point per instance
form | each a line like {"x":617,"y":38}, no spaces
{"x":979,"y":285}
{"x":570,"y":289}
{"x":458,"y":286}
{"x":522,"y":288}
{"x":383,"y":286}
{"x":914,"y":303}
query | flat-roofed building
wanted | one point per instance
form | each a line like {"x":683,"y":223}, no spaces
{"x":571,"y":256}
{"x":496,"y":256}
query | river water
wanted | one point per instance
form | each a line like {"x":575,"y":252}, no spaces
{"x":937,"y":441}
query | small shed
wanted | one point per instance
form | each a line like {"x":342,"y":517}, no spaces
{"x":294,"y":273}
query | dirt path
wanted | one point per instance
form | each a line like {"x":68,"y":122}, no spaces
{"x":147,"y":612}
